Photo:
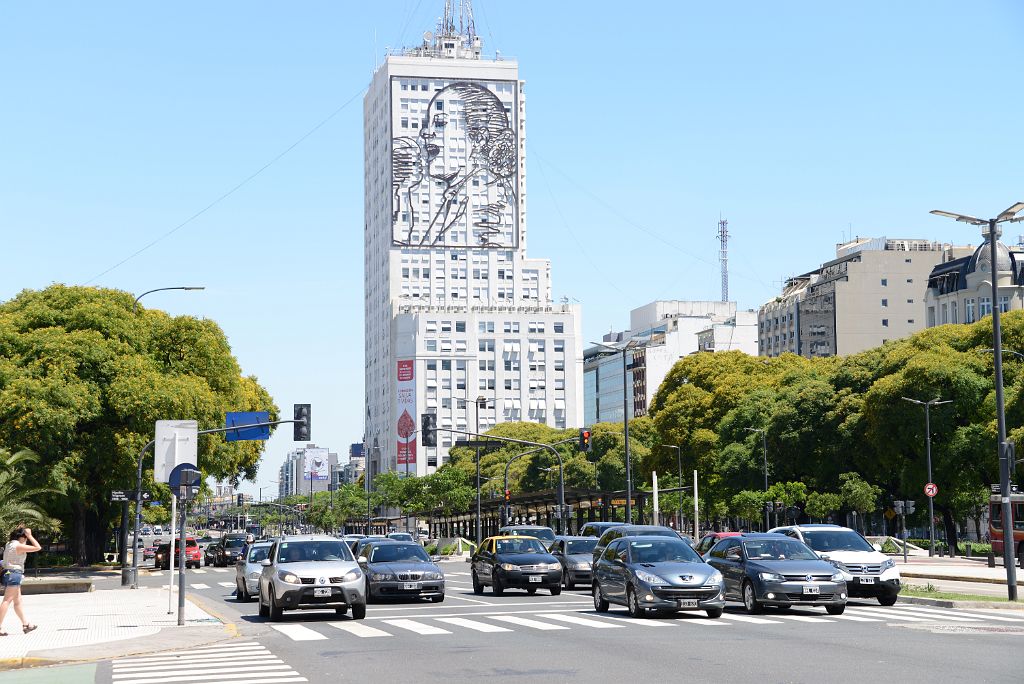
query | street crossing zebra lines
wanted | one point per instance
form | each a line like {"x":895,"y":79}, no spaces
{"x":242,"y":663}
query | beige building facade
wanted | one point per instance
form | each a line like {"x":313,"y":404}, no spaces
{"x":960,"y":288}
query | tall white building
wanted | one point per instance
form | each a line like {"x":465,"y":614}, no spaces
{"x":455,"y":310}
{"x":306,"y":469}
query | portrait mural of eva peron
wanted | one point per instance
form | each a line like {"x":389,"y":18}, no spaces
{"x":454,"y":177}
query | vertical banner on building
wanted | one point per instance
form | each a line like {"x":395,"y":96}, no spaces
{"x":406,"y":409}
{"x":317,"y":465}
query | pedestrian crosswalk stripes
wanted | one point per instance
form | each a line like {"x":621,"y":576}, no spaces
{"x":577,"y":620}
{"x":474,"y":625}
{"x":417,"y":627}
{"x":228,"y":663}
{"x":200,"y":586}
{"x":931,"y":611}
{"x":748,"y":618}
{"x":527,"y":622}
{"x":299,"y":632}
{"x":854,"y":618}
{"x":359,"y":629}
{"x":800,"y":618}
{"x":226,"y":584}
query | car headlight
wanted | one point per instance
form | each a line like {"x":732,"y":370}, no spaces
{"x":433,"y":576}
{"x":508,"y":566}
{"x":714,"y":580}
{"x":554,"y":566}
{"x":838,"y":577}
{"x":581,"y":566}
{"x":382,"y":577}
{"x":648,"y":577}
{"x":771,"y":577}
{"x":288,"y":577}
{"x":837,"y":564}
{"x":351,"y":576}
{"x":888,"y":563}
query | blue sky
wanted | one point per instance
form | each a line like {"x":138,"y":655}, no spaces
{"x":799,"y":122}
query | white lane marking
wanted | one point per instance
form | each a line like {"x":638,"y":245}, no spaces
{"x":221,"y":570}
{"x":473,"y":624}
{"x":285,"y":676}
{"x":854,"y":618}
{"x":206,"y":666}
{"x":357,"y":628}
{"x":197,"y":571}
{"x":525,"y":622}
{"x":227,"y":584}
{"x":701,"y":621}
{"x":577,"y":620}
{"x":299,"y":632}
{"x":803,"y":618}
{"x":932,"y":616}
{"x":632,"y":621}
{"x":986,"y":616}
{"x":463,"y":598}
{"x":747,"y":618}
{"x":225,"y":651}
{"x":549,"y":605}
{"x":417,"y":627}
{"x":200,"y":586}
{"x":889,"y":615}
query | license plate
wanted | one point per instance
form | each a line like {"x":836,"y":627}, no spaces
{"x":688,"y":603}
{"x":325,"y":591}
{"x":535,"y":578}
{"x":811,"y":590}
{"x":867,"y":580}
{"x":410,"y":585}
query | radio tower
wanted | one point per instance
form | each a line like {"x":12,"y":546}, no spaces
{"x":723,"y":256}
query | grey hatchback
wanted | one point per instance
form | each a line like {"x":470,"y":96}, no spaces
{"x":311,"y":571}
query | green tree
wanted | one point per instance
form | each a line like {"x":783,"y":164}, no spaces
{"x":820,"y":505}
{"x":19,"y":500}
{"x":748,"y":505}
{"x":858,"y":495}
{"x":84,"y":377}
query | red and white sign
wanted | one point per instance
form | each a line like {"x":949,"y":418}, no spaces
{"x":405,"y":410}
{"x":931,"y":489}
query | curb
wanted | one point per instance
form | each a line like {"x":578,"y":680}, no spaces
{"x":955,"y":578}
{"x":947,"y":603}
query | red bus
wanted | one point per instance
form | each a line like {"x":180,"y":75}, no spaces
{"x":995,"y":522}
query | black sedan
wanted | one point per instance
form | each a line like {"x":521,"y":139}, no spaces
{"x":774,"y":570}
{"x":515,"y":562}
{"x":228,"y":550}
{"x":399,"y":569}
{"x":576,"y":554}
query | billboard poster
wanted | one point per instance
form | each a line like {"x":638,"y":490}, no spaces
{"x":405,"y":427}
{"x":317,"y":465}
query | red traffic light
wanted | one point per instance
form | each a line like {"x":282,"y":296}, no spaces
{"x":508,"y":495}
{"x":584,"y":442}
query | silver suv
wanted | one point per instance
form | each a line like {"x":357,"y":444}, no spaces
{"x":311,"y":572}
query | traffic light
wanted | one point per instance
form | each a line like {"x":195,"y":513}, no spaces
{"x":508,"y":495}
{"x":301,"y":425}
{"x":898,"y":507}
{"x":910,"y":507}
{"x":585,"y":444}
{"x":429,"y":429}
{"x":241,"y":499}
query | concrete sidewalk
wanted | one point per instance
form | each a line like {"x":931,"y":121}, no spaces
{"x":102,"y":624}
{"x":954,"y":569}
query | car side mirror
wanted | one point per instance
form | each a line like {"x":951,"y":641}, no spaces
{"x":362,"y":559}
{"x":435,"y":559}
{"x":265,"y":562}
{"x":824,"y":556}
{"x":876,"y":547}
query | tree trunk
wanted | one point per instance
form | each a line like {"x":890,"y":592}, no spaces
{"x":950,"y":525}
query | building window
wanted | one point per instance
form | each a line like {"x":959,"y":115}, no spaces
{"x":430,"y":345}
{"x":885,"y":282}
{"x":560,"y":344}
{"x":911,"y":321}
{"x":1004,"y":303}
{"x":968,"y":310}
{"x":486,"y":345}
{"x":910,"y":280}
{"x":885,"y":322}
{"x":910,"y":301}
{"x":446,"y":364}
{"x":984,"y":306}
{"x":885,"y":302}
{"x":559,"y":327}
{"x":952,"y":313}
{"x":945,"y":314}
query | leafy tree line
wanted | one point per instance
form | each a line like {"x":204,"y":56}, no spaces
{"x":84,"y":376}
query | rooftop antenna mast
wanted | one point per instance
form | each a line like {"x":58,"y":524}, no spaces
{"x":723,"y":256}
{"x":467,"y":27}
{"x":447,"y":27}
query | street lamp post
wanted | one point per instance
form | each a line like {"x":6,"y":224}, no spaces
{"x":625,"y":423}
{"x":764,"y":452}
{"x":130,"y":576}
{"x":928,"y":456}
{"x":1005,"y":465}
{"x":366,"y":480}
{"x":679,"y":463}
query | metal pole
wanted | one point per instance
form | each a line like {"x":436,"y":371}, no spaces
{"x":625,"y":431}
{"x":696,"y":517}
{"x":764,"y":451}
{"x":1005,"y":466}
{"x":928,"y":458}
{"x":679,"y":462}
{"x":170,"y":551}
{"x":181,"y":564}
{"x":133,"y":577}
{"x":478,"y":537}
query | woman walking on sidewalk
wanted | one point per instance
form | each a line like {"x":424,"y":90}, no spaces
{"x":22,"y":543}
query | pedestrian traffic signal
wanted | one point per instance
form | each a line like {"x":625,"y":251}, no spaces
{"x":585,"y":444}
{"x":301,"y":425}
{"x":429,"y":429}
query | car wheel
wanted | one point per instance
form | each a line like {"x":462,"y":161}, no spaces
{"x":366,"y":590}
{"x":567,"y":581}
{"x":241,"y":594}
{"x":835,"y":610}
{"x":633,"y":604}
{"x":497,"y":587}
{"x":555,"y":591}
{"x":531,"y":591}
{"x":437,"y":599}
{"x":714,"y":613}
{"x":477,"y":587}
{"x":263,"y":608}
{"x":750,"y":602}
{"x":888,"y":600}
{"x":275,"y":611}
{"x":358,"y":611}
{"x":341,"y":611}
{"x":600,"y":605}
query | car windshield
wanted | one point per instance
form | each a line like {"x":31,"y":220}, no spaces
{"x":236,"y":543}
{"x":311,"y":551}
{"x":398,"y":553}
{"x":581,"y":545}
{"x":777,"y":549}
{"x":400,"y":536}
{"x":668,"y":551}
{"x":191,"y":543}
{"x":836,"y":540}
{"x":539,"y":532}
{"x":520,"y":545}
{"x":258,"y":554}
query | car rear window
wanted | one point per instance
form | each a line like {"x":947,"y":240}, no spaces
{"x":234,"y":543}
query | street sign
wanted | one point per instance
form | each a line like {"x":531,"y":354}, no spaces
{"x":931,"y":489}
{"x":889,"y":514}
{"x":184,"y":474}
{"x":176,"y":442}
{"x":247,"y":418}
{"x":119,"y":495}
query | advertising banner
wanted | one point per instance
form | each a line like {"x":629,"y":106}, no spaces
{"x":317,"y":466}
{"x":405,"y":427}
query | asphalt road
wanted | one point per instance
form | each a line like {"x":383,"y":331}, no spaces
{"x":518,"y":637}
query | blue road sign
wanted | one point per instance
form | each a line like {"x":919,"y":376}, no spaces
{"x":247,"y":418}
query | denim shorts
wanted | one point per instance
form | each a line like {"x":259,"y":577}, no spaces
{"x":12,"y":578}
